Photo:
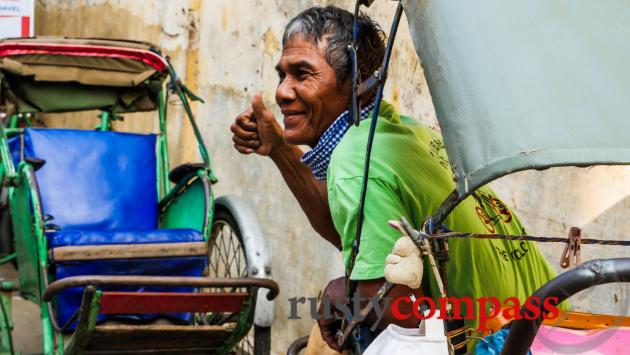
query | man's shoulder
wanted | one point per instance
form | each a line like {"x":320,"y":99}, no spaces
{"x":394,"y":143}
{"x":390,"y":136}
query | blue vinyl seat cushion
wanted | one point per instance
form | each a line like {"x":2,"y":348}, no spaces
{"x":68,"y":301}
{"x":101,"y":189}
{"x":69,"y":237}
{"x":95,"y":180}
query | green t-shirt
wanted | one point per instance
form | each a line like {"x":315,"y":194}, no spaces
{"x":410,"y":176}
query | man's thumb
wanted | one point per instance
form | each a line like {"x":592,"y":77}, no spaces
{"x":258,"y":106}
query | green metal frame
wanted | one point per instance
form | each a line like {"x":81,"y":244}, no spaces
{"x":184,"y":94}
{"x":15,"y":120}
{"x":31,"y":247}
{"x":162,"y":148}
{"x":28,"y":229}
{"x":243,"y":324}
{"x":189,"y":204}
{"x":91,"y":304}
{"x":6,"y":320}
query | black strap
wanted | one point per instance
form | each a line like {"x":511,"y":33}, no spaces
{"x":352,"y":285}
{"x":377,"y":105}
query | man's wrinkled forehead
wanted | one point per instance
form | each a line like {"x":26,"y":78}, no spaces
{"x":300,"y":51}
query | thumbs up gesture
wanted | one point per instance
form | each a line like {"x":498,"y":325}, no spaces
{"x":256,"y":129}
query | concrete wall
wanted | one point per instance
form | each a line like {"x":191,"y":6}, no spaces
{"x":226,"y":50}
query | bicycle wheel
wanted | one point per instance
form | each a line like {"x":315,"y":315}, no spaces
{"x":227,"y":259}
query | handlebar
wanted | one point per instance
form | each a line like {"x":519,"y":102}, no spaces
{"x":165,"y":281}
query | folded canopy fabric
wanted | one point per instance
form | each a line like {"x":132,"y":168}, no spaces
{"x":68,"y":74}
{"x":526,"y":84}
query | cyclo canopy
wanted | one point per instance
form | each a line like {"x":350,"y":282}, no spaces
{"x":48,"y":74}
{"x":526,"y":85}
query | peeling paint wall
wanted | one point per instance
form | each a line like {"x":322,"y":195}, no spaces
{"x":226,"y":50}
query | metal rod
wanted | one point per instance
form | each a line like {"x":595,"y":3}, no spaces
{"x":449,"y":204}
{"x":166,"y":281}
{"x":345,"y":333}
{"x":443,"y":236}
{"x":368,"y":153}
{"x":177,"y":85}
{"x":354,"y":110}
{"x":298,"y":345}
{"x":351,"y":285}
{"x":8,"y":258}
{"x":162,"y":165}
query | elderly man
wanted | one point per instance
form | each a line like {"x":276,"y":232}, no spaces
{"x":409,"y":174}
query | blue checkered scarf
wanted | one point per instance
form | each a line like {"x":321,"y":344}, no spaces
{"x":319,"y":157}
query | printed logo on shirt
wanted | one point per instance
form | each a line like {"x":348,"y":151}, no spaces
{"x":491,"y":210}
{"x":516,"y":254}
{"x":436,"y":149}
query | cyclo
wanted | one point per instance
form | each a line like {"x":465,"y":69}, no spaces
{"x":117,"y":258}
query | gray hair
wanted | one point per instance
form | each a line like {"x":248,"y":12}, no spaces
{"x":335,"y":26}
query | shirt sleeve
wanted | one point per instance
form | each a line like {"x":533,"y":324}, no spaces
{"x":382,"y":203}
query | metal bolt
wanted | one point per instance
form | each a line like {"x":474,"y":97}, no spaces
{"x":254,"y":271}
{"x":267,"y":270}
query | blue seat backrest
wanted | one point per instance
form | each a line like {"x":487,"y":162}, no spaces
{"x":95,"y":180}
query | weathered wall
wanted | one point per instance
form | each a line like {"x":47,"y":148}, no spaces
{"x":226,"y":50}
{"x":595,"y":199}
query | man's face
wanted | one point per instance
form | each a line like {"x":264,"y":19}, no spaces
{"x":307,"y":93}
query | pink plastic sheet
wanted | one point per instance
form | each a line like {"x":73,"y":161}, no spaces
{"x":552,"y":340}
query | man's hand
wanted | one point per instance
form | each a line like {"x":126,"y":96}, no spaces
{"x":256,"y":129}
{"x":334,"y":293}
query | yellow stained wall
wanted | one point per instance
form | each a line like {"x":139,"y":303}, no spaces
{"x":226,"y":50}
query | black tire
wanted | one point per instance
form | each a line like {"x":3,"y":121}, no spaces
{"x":258,"y":340}
{"x":262,"y":340}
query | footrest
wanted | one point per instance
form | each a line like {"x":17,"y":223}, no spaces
{"x":158,"y":338}
{"x":88,"y":337}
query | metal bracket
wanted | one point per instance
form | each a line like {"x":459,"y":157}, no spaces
{"x":370,"y":83}
{"x":421,"y":239}
{"x":571,"y":257}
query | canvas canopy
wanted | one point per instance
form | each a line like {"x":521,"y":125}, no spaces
{"x":526,"y":84}
{"x":65,"y":74}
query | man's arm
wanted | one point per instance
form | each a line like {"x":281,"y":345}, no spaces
{"x":311,"y":194}
{"x":257,"y":131}
{"x":383,"y":203}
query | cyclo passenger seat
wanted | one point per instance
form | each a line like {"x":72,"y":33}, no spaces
{"x":101,"y":190}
